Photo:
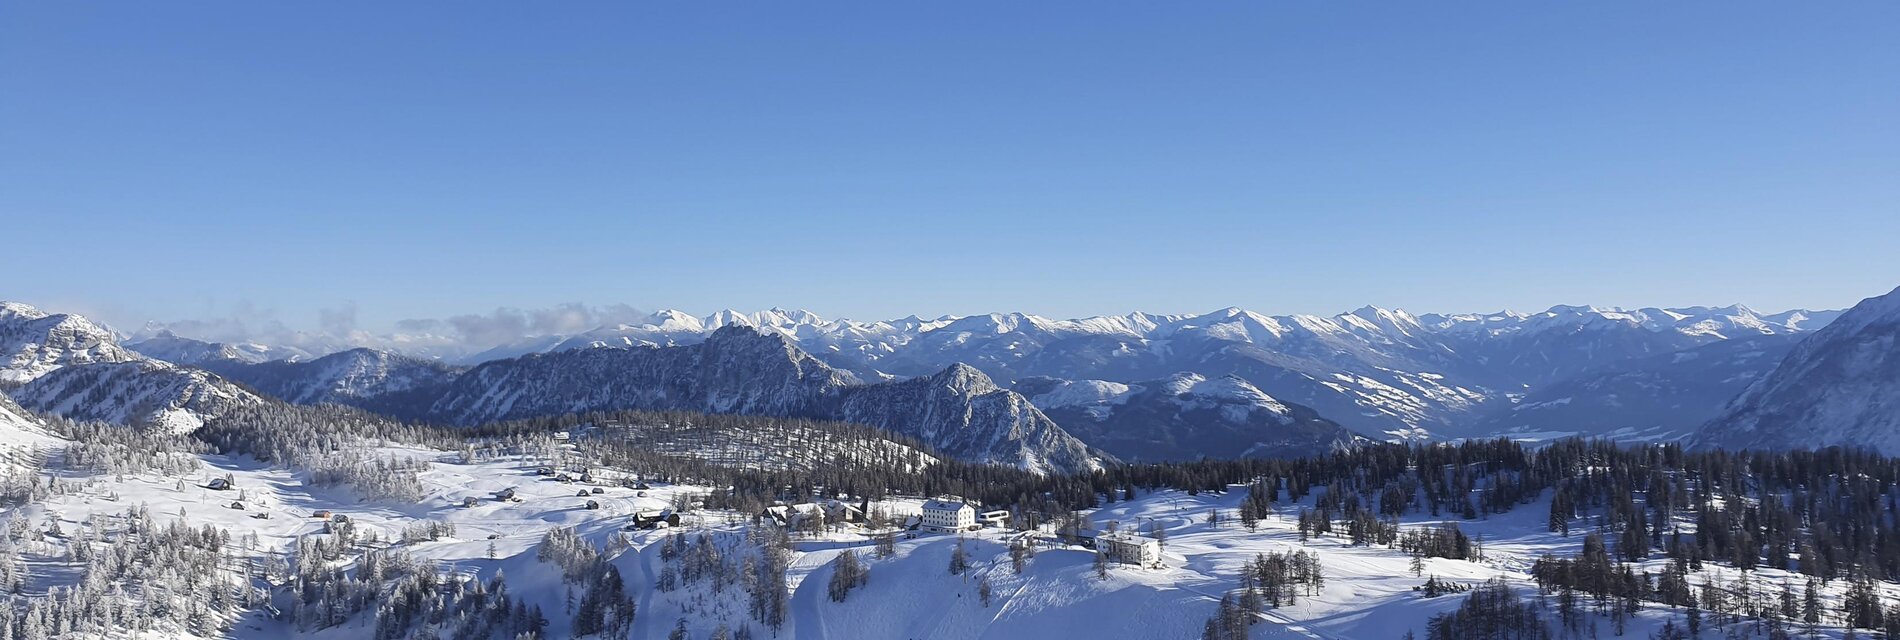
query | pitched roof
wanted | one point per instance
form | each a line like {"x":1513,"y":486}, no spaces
{"x":946,"y":505}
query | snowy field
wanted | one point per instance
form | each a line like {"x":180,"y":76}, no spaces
{"x":1368,"y":592}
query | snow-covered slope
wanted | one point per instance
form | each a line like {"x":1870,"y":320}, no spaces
{"x":24,"y":439}
{"x":1657,"y":398}
{"x":33,"y":342}
{"x":1839,"y":387}
{"x":144,"y":393}
{"x":341,"y":378}
{"x":1186,"y":416}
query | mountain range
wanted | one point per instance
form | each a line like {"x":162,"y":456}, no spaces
{"x":1183,"y":417}
{"x":1012,"y":388}
{"x":1377,"y":371}
{"x":73,"y":368}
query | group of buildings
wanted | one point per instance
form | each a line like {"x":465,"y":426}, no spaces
{"x":951,"y":514}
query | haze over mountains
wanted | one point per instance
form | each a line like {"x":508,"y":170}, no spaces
{"x":1015,"y":388}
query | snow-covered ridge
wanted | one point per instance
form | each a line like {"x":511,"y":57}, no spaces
{"x":1839,"y":387}
{"x":1084,"y":393}
{"x":1184,"y":416}
{"x":1716,"y":322}
{"x":874,"y":338}
{"x":1375,"y":370}
{"x":337,"y":378}
{"x":1198,"y":389}
{"x":146,"y":393}
{"x":34,"y":343}
{"x":170,"y":347}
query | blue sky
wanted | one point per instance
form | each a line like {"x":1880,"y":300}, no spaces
{"x":177,"y":160}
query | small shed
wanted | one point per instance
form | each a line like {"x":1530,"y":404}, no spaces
{"x":593,"y":504}
{"x":218,"y":484}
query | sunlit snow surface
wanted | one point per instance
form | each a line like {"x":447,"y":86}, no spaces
{"x":1368,"y":590}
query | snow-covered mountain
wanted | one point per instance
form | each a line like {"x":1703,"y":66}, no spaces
{"x":1373,"y":370}
{"x":33,"y":343}
{"x":1656,"y":398}
{"x":1535,"y":349}
{"x":1839,"y":387}
{"x":962,"y":412}
{"x":338,"y":378}
{"x":741,"y":371}
{"x":73,"y":368}
{"x":1184,"y":417}
{"x":736,"y":371}
{"x":66,"y":365}
{"x":143,"y":393}
{"x":170,"y":347}
{"x":1376,"y":371}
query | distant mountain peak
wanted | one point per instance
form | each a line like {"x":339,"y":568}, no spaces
{"x":20,"y":310}
{"x":965,"y":379}
{"x":34,"y":343}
